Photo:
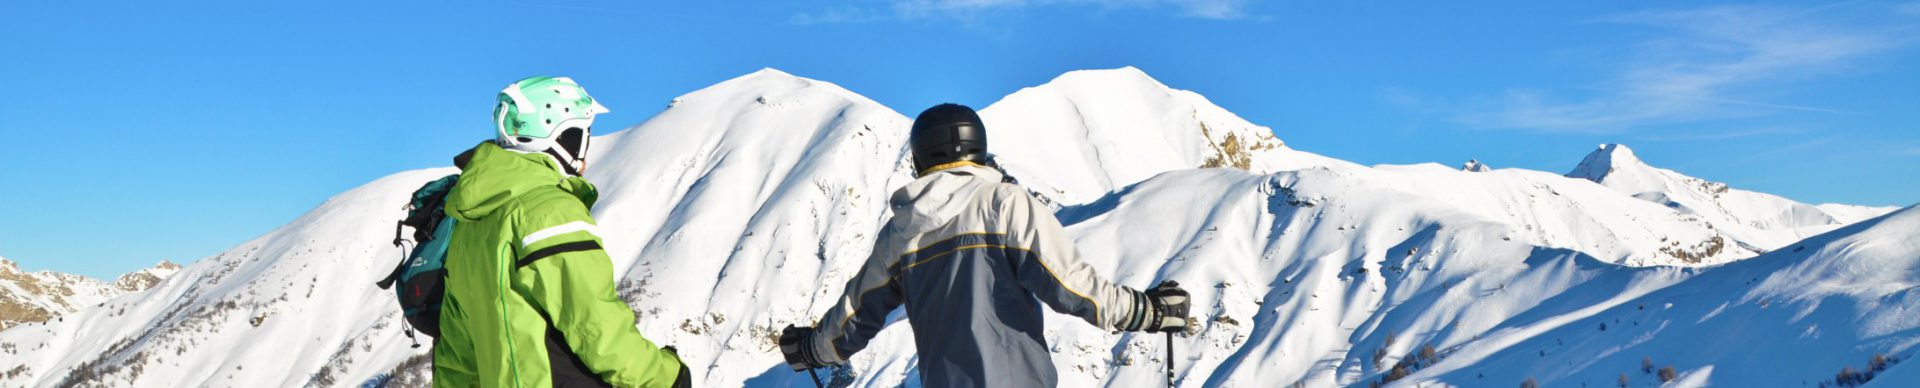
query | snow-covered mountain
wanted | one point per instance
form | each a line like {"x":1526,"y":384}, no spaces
{"x":745,"y":206}
{"x":1474,"y":165}
{"x":32,"y":297}
{"x":1757,"y":221}
{"x":1090,"y":132}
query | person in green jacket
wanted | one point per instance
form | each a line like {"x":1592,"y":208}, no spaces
{"x":530,"y":298}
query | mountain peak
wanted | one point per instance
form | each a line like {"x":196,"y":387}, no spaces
{"x":765,"y":74}
{"x":769,"y":87}
{"x":1616,"y":149}
{"x":146,"y":278}
{"x":1123,"y":126}
{"x":1474,"y":165}
{"x":771,"y":72}
{"x":1605,"y":159}
{"x":1123,"y":77}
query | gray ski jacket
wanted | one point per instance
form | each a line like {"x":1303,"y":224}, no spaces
{"x":972,"y":258}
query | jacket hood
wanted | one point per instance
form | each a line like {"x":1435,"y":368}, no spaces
{"x":491,"y":177}
{"x":934,"y":199}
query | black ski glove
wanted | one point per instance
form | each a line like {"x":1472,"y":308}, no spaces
{"x":1170,"y":305}
{"x":797,"y":344}
{"x":685,"y":380}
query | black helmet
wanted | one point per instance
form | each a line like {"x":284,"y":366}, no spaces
{"x":947,"y":133}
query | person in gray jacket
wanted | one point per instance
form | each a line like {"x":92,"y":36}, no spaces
{"x":972,"y":255}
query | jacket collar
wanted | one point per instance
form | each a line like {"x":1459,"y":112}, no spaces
{"x":491,"y":176}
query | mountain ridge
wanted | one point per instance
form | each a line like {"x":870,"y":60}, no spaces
{"x":35,"y":297}
{"x":1757,"y":221}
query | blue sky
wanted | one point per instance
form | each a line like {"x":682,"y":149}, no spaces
{"x":173,"y":130}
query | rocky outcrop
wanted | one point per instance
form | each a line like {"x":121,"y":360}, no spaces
{"x":30,"y":297}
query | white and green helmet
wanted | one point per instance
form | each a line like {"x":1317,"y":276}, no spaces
{"x":550,"y":115}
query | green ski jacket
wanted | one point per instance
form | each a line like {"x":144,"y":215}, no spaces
{"x":530,"y":298}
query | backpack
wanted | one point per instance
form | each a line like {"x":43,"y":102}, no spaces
{"x":422,"y":273}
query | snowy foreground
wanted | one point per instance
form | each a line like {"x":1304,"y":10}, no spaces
{"x":745,"y":206}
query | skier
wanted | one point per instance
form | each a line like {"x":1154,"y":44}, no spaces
{"x":530,"y":299}
{"x":968,"y":252}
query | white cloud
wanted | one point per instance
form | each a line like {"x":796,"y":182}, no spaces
{"x":1214,"y":9}
{"x":974,"y":10}
{"x":1710,"y":64}
{"x":1716,"y":134}
{"x":1909,"y":150}
{"x":837,"y":15}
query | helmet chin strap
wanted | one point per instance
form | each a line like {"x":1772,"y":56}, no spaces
{"x":566,"y":164}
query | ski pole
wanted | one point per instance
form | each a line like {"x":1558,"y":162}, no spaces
{"x":816,"y":377}
{"x":1169,"y":359}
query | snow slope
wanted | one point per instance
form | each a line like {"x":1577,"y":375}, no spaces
{"x":1791,"y":317}
{"x":1848,"y":214}
{"x":1757,"y":221}
{"x":294,"y":307}
{"x":745,"y":206}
